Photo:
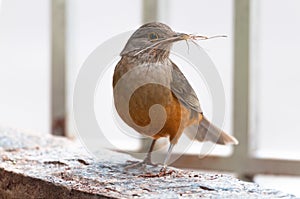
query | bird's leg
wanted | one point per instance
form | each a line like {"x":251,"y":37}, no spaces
{"x":163,"y":171}
{"x":146,"y":161}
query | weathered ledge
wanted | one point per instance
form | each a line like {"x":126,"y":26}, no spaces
{"x":52,"y":167}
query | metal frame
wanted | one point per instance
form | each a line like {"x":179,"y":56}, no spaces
{"x":150,"y":11}
{"x":58,"y":69}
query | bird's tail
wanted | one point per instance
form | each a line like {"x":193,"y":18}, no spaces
{"x":208,"y":132}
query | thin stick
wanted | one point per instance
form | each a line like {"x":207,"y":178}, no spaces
{"x":191,"y":37}
{"x":196,"y":44}
{"x":156,"y":44}
{"x":199,"y":37}
{"x":188,"y":46}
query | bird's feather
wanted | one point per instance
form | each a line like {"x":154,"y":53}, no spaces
{"x":206,"y":131}
{"x":183,"y":90}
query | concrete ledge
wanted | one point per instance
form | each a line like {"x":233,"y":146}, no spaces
{"x":52,"y":167}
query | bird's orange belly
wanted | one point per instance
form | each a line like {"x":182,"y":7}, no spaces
{"x":154,"y":111}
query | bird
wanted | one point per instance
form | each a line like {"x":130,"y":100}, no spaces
{"x":152,"y":95}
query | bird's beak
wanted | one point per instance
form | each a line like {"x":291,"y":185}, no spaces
{"x":182,"y":36}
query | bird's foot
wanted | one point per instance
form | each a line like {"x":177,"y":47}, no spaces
{"x":138,"y":164}
{"x":162,"y":172}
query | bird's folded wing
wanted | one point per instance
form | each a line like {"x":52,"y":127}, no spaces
{"x":184,"y":91}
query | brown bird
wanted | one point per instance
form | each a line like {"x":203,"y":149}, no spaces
{"x":152,"y":95}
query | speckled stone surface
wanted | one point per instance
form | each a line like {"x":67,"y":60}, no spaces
{"x":52,"y":167}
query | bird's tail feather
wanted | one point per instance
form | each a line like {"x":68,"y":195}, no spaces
{"x":208,"y":132}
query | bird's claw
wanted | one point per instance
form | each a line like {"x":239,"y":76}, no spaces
{"x":138,"y":164}
{"x":162,"y":172}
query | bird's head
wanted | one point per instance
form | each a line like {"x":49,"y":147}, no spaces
{"x":152,"y":39}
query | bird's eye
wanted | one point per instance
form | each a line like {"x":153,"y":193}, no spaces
{"x":153,"y":36}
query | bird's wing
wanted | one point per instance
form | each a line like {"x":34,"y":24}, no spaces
{"x":183,"y":90}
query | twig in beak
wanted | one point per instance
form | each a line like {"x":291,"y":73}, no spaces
{"x":171,"y":39}
{"x":188,"y":46}
{"x":199,"y":37}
